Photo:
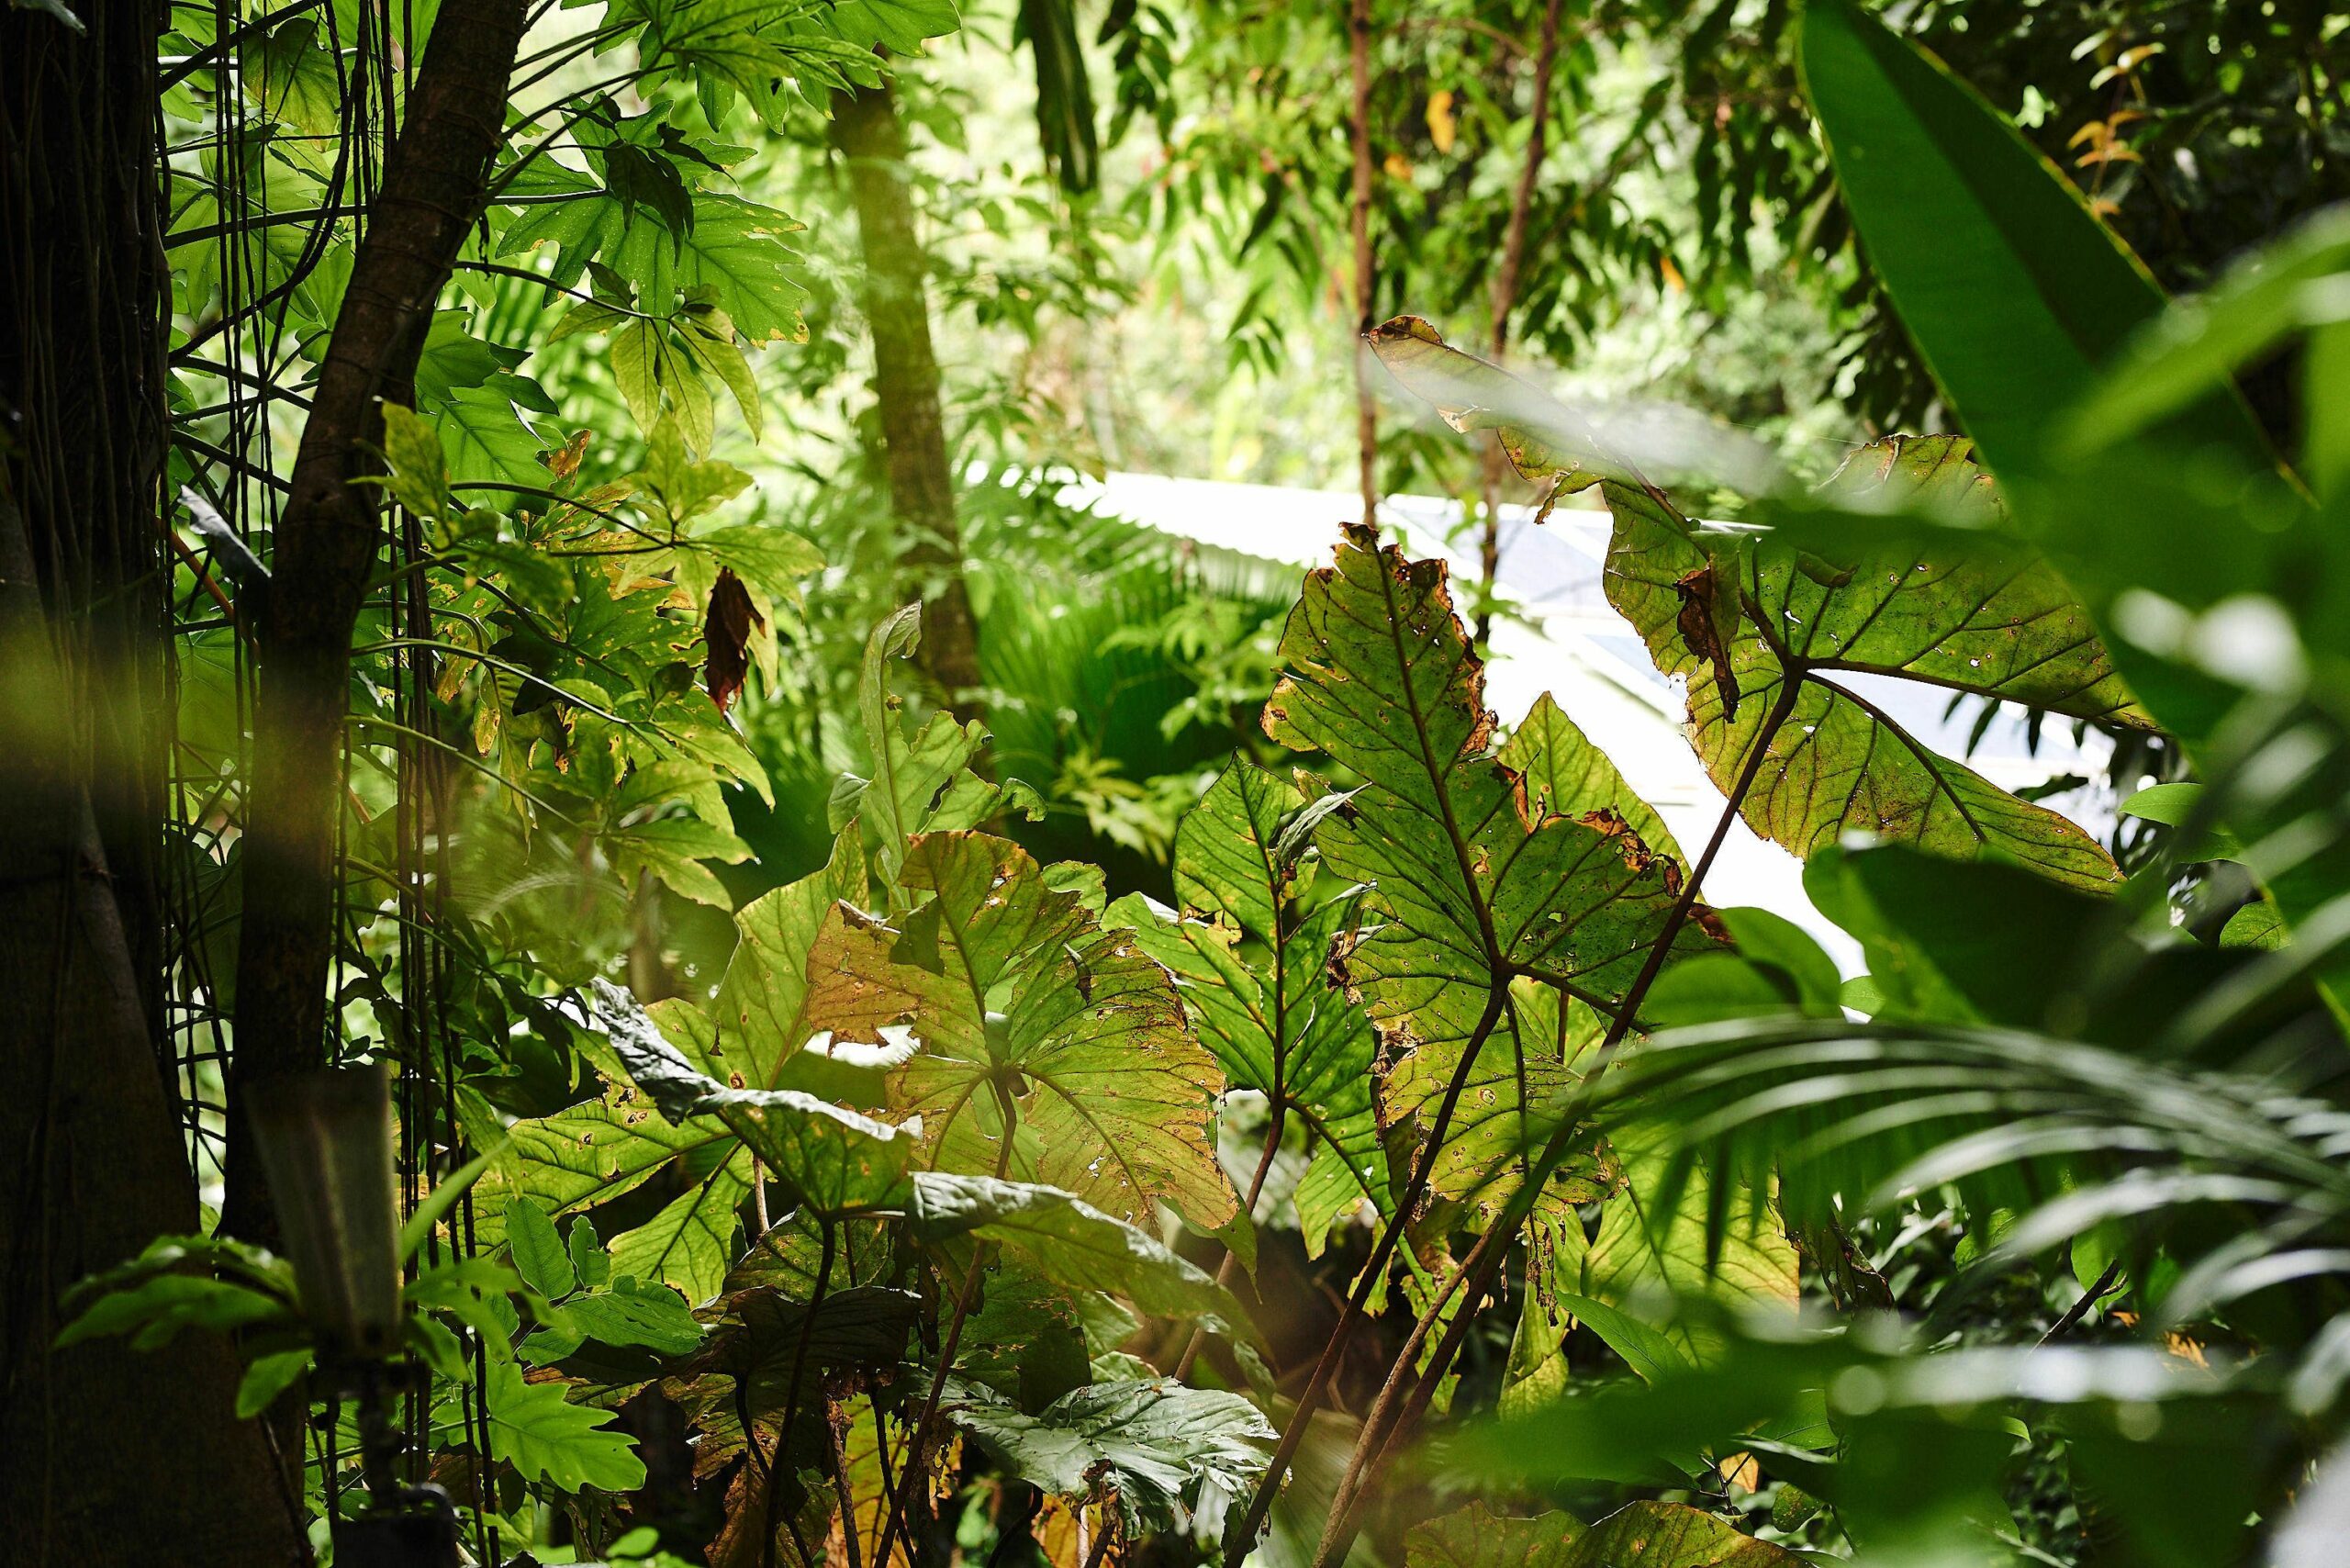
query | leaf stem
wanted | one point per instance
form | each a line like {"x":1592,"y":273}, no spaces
{"x":1238,"y":1541}
{"x":918,"y":1442}
{"x":1478,"y":1270}
{"x":791,"y":1400}
{"x":1225,"y":1270}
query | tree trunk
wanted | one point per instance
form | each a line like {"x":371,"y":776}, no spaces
{"x":107,"y":1455}
{"x":435,"y":182}
{"x":1505,"y":300}
{"x":865,"y":131}
{"x":1366,"y":404}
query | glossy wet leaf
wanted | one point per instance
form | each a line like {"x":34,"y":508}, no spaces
{"x":1069,"y":1242}
{"x":829,"y":1158}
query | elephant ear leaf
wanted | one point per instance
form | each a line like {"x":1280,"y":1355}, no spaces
{"x":1466,"y":885}
{"x":1025,"y":1007}
{"x":1566,"y":775}
{"x":1275,"y":1022}
{"x":1476,"y":1537}
{"x":1822,"y":637}
{"x":1780,"y":646}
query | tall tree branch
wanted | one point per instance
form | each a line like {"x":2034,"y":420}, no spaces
{"x":435,"y":182}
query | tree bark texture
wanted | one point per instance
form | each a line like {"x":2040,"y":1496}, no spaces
{"x":872,"y":142}
{"x":435,"y":182}
{"x":107,"y":1455}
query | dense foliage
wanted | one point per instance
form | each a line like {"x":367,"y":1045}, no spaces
{"x":907,"y":1022}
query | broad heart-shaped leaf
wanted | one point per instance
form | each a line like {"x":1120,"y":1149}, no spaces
{"x":2013,"y":291}
{"x":834,"y":1160}
{"x":1466,"y":886}
{"x":922,"y":781}
{"x":1068,"y":1242}
{"x":1021,"y":1000}
{"x":1166,"y":1453}
{"x":546,"y":1438}
{"x":1673,"y":1535}
{"x":1509,"y":1102}
{"x":758,"y":1333}
{"x":1970,"y":620}
{"x":763,"y":1000}
{"x":1275,"y":1022}
{"x":583,"y":1156}
{"x":1566,"y":775}
{"x":1476,"y":1537}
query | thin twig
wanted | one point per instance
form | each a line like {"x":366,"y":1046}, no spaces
{"x":1231,"y":1264}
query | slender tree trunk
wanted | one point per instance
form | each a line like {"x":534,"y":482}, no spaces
{"x":1505,"y":300}
{"x":1366,"y":404}
{"x":107,"y":1455}
{"x":435,"y":181}
{"x":865,"y":131}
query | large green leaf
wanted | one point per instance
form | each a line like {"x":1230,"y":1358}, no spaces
{"x":763,"y":1000}
{"x":1068,"y":1242}
{"x":1673,"y":1535}
{"x":830,"y":1158}
{"x":1476,"y":1537}
{"x":1024,"y":1004}
{"x":586,"y":1154}
{"x":1270,"y":1012}
{"x":922,"y":779}
{"x":2014,"y":294}
{"x":546,"y":1438}
{"x":1466,"y":888}
{"x":1964,"y":617}
{"x":1566,"y":775}
{"x":1166,"y":1452}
